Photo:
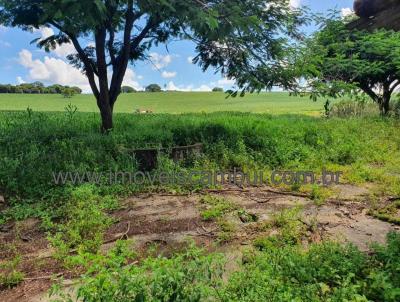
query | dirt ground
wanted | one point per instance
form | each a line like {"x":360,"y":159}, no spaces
{"x":168,"y":220}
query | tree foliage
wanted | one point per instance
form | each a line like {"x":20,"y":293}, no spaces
{"x":337,"y":62}
{"x":153,"y":88}
{"x":230,"y":36}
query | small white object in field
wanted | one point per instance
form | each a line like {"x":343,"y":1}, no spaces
{"x":143,"y":111}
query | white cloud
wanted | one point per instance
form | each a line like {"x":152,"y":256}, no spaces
{"x":190,"y":60}
{"x":53,"y":71}
{"x":203,"y":88}
{"x":295,"y":3}
{"x":226,"y":82}
{"x":20,"y":80}
{"x":171,"y":86}
{"x":168,"y":75}
{"x":130,"y":80}
{"x":61,"y":51}
{"x":5,"y":43}
{"x":2,"y":28}
{"x":345,"y":12}
{"x":56,"y":71}
{"x":159,"y":61}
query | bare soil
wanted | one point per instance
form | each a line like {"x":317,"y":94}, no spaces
{"x":167,"y":221}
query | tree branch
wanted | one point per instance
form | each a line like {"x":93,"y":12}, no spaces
{"x":123,"y":59}
{"x":370,"y":92}
{"x":395,"y":84}
{"x":110,"y":45}
{"x":90,"y":70}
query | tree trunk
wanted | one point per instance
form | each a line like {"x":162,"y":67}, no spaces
{"x":384,"y":104}
{"x":106,"y":112}
{"x":103,"y":100}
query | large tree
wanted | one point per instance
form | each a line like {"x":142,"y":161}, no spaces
{"x":226,"y":32}
{"x":337,"y":61}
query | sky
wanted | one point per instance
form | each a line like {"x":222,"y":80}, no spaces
{"x":170,"y":67}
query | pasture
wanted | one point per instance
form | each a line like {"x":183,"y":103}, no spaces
{"x":170,"y":102}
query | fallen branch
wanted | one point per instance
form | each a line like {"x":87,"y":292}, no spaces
{"x":44,"y":277}
{"x":123,"y":236}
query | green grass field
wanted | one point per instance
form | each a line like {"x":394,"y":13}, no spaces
{"x":170,"y":102}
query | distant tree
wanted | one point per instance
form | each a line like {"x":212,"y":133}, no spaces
{"x":227,"y":34}
{"x":340,"y":62}
{"x":218,"y":89}
{"x":38,"y":84}
{"x":127,"y":89}
{"x":56,"y":88}
{"x":153,"y":88}
{"x":4,"y":89}
{"x":68,"y":92}
{"x":76,"y":89}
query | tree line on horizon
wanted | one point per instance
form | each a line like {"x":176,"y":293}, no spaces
{"x":39,"y":88}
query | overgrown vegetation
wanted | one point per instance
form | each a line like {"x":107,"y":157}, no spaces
{"x":323,"y":272}
{"x":36,"y":145}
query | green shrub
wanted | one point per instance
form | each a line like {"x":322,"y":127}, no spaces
{"x":346,"y":109}
{"x":83,"y":227}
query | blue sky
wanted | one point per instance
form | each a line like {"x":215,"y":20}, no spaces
{"x":22,"y":62}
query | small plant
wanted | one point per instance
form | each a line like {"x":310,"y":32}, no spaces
{"x":9,"y":274}
{"x":71,"y":110}
{"x":320,"y":194}
{"x":290,"y":230}
{"x":83,"y":228}
{"x":227,"y":230}
{"x":29,"y":111}
{"x":389,"y":213}
{"x":247,"y":217}
{"x":327,"y":108}
{"x":216,"y":207}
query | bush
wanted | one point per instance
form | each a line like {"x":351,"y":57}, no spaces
{"x":346,"y":109}
{"x":218,"y":89}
